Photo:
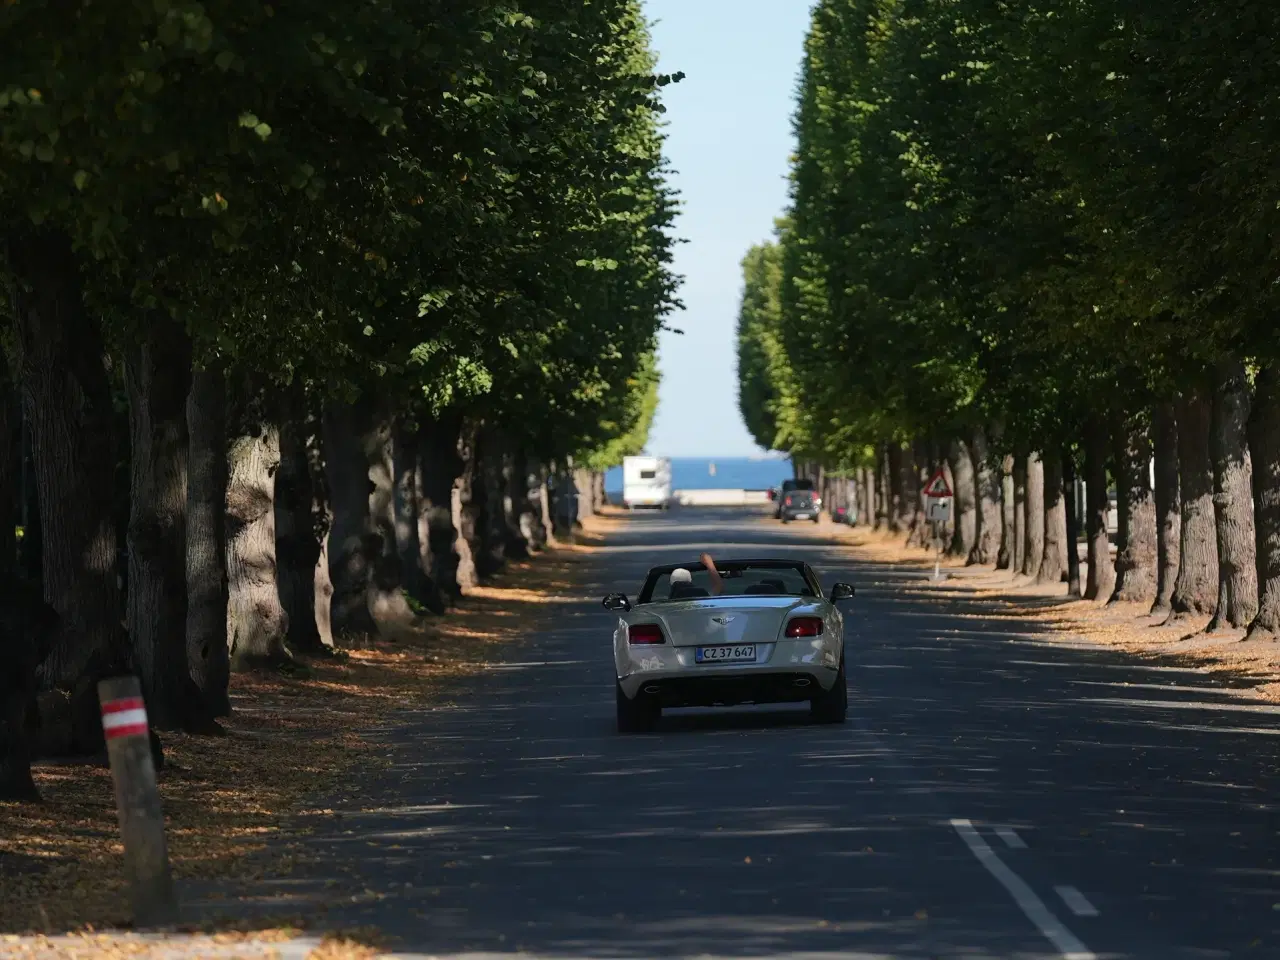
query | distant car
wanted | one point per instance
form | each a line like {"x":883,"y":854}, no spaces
{"x":800,"y":505}
{"x":769,"y":637}
{"x":842,"y":515}
{"x":799,"y":483}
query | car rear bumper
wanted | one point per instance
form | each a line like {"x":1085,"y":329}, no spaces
{"x":726,"y":687}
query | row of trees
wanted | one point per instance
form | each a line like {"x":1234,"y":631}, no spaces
{"x":316,"y":314}
{"x":1035,"y":241}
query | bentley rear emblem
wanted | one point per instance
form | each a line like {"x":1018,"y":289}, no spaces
{"x":723,"y":620}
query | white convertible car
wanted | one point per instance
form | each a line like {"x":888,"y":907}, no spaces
{"x":769,"y":636}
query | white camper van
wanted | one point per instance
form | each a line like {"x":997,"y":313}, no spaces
{"x":646,"y":482}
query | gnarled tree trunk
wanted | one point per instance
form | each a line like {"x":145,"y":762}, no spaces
{"x":158,"y":378}
{"x":1008,"y":523}
{"x":1136,"y":561}
{"x":1019,"y":551}
{"x":68,"y":405}
{"x":1196,"y":589}
{"x":302,"y":523}
{"x":256,"y":623}
{"x":441,"y":467}
{"x":964,"y":506}
{"x":1168,"y":501}
{"x":1264,"y":445}
{"x":1233,"y":500}
{"x":987,"y":520}
{"x":1053,"y":563}
{"x":208,"y":656}
{"x":1034,"y":555}
{"x":1072,"y":521}
{"x":406,"y":514}
{"x":466,"y":510}
{"x":1101,"y":576}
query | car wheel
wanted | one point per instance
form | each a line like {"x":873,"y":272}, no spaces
{"x":832,"y":706}
{"x":635,"y":716}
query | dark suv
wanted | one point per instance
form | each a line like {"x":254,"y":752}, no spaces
{"x":798,"y":501}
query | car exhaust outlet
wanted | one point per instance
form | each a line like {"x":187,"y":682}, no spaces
{"x":652,"y":688}
{"x":801,"y":682}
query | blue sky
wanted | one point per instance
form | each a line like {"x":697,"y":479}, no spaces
{"x":728,"y":139}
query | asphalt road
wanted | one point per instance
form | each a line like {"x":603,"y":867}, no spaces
{"x":994,"y":794}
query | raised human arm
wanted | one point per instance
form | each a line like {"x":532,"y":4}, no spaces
{"x":717,"y":582}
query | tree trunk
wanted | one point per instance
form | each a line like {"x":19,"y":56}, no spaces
{"x":522,"y":487}
{"x":256,"y":624}
{"x":1264,"y":447}
{"x":465,"y":509}
{"x":488,"y":494}
{"x":867,"y":508}
{"x":1196,"y":589}
{"x":69,"y":409}
{"x":1101,"y":577}
{"x":441,"y":467}
{"x":964,"y":506}
{"x":11,"y":454}
{"x":1168,"y":503}
{"x":406,"y":513}
{"x":893,"y":488}
{"x":301,"y":524}
{"x":1233,"y":500}
{"x":27,"y":629}
{"x":1053,"y":563}
{"x":1019,"y":551}
{"x":921,"y":455}
{"x":1072,"y":522}
{"x":158,"y":378}
{"x":1034,"y":555}
{"x":1008,"y":523}
{"x":905,"y":495}
{"x":1136,"y":561}
{"x":987,"y":520}
{"x":208,"y":657}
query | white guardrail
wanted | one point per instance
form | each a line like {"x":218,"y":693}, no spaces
{"x":720,"y":498}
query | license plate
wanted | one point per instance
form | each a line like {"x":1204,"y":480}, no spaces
{"x":726,"y":654}
{"x":802,"y":516}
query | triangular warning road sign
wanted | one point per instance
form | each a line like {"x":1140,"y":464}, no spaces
{"x":937,"y":486}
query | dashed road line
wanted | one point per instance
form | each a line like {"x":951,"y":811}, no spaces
{"x":1076,"y":901}
{"x":1067,"y":943}
{"x":1011,"y":838}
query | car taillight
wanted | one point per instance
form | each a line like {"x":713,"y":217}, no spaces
{"x":788,"y":501}
{"x":645,"y":633}
{"x":805,"y":627}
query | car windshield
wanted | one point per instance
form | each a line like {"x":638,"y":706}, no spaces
{"x":740,"y":580}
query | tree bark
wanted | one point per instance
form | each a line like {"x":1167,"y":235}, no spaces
{"x":1233,"y":500}
{"x":523,"y":481}
{"x":893,"y":488}
{"x":441,"y":467}
{"x":1136,"y":561}
{"x":1196,"y":589}
{"x":488,"y":493}
{"x":1264,"y":446}
{"x":256,"y":623}
{"x":1019,"y":552}
{"x":68,"y":405}
{"x":1053,"y":564}
{"x":964,"y":505}
{"x":208,"y":656}
{"x":27,"y":630}
{"x":465,"y":508}
{"x":1168,"y":505}
{"x":407,"y":515}
{"x":1008,"y":523}
{"x":921,"y":459}
{"x":11,"y":454}
{"x":1035,"y":517}
{"x":1101,"y":576}
{"x":867,"y":508}
{"x":987,"y":519}
{"x":1072,"y":522}
{"x":158,"y":379}
{"x":301,"y":525}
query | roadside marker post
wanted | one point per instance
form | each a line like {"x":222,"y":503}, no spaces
{"x":937,"y":498}
{"x":146,"y":855}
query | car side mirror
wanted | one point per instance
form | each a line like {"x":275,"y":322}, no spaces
{"x":842,"y":591}
{"x":617,"y":601}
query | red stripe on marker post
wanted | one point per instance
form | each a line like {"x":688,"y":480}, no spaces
{"x":126,"y":717}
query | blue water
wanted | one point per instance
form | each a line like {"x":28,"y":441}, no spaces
{"x":694,"y":473}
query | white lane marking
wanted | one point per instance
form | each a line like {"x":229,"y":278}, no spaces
{"x":1076,"y":901}
{"x":1011,"y":838}
{"x":1068,"y":944}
